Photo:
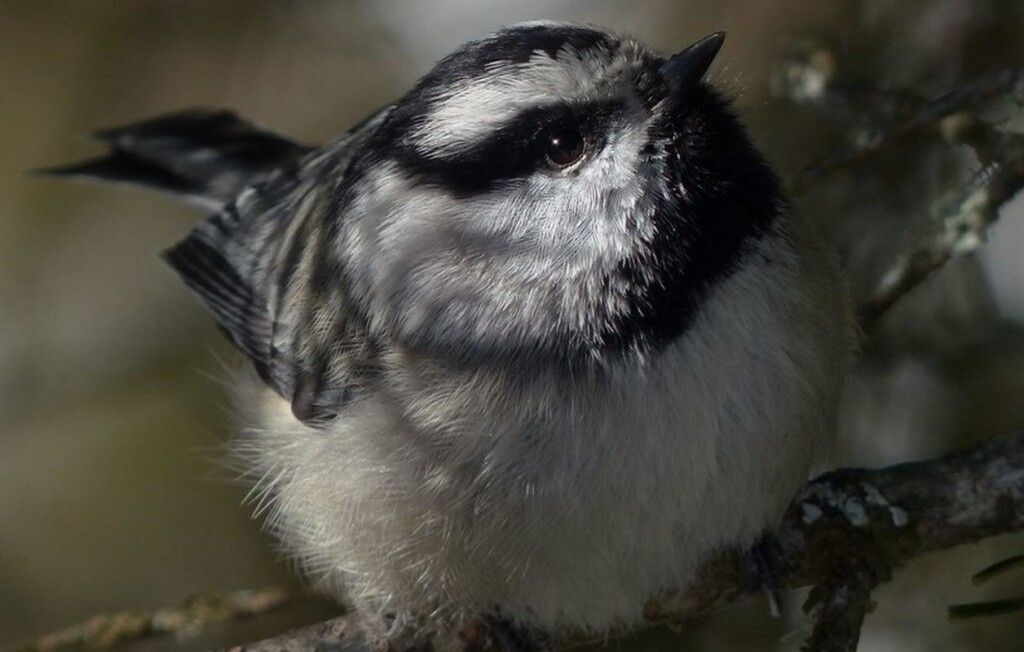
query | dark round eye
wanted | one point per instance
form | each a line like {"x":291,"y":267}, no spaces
{"x":563,"y":147}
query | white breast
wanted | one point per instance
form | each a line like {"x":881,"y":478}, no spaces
{"x":566,"y":501}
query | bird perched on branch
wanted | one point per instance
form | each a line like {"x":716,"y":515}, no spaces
{"x":534,"y":340}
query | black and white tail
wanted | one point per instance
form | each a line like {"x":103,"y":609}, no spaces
{"x":204,"y":155}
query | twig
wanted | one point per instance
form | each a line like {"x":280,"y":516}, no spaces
{"x":856,"y":525}
{"x":108,"y":630}
{"x":1013,"y":563}
{"x":928,"y":115}
{"x":964,"y":222}
{"x":990,"y":608}
{"x":810,"y":77}
{"x":348,"y":633}
{"x":840,"y":616}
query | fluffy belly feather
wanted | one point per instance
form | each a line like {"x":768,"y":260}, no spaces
{"x":561,"y":501}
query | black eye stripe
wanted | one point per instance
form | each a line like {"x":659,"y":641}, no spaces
{"x":512,"y":152}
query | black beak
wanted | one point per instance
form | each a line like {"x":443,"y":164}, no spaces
{"x":685,"y":70}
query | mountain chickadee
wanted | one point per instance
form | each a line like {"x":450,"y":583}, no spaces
{"x":535,"y":340}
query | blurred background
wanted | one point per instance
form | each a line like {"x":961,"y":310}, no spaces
{"x":113,"y":491}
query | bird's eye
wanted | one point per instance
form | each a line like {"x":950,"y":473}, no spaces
{"x":564,"y":147}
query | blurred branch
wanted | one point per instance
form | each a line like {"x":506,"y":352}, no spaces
{"x":845,"y":534}
{"x":108,"y":630}
{"x":989,"y":608}
{"x":811,"y":77}
{"x":841,"y":615}
{"x":964,"y":220}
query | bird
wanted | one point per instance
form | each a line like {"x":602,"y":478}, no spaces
{"x":533,"y":341}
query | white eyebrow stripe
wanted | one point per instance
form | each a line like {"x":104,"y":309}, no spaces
{"x":465,"y":118}
{"x":466,"y":113}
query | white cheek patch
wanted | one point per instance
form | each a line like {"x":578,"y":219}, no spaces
{"x":596,"y":208}
{"x":563,"y":224}
{"x":584,"y":217}
{"x":616,"y":164}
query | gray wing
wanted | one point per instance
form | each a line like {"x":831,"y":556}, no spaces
{"x":260,"y":262}
{"x":258,"y":267}
{"x":263,"y":266}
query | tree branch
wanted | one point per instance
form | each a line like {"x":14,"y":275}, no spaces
{"x":912,"y":114}
{"x":810,"y":78}
{"x":109,"y":630}
{"x":964,"y":221}
{"x":845,"y":534}
{"x":840,"y":615}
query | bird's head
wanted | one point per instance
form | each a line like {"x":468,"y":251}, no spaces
{"x":551,"y":191}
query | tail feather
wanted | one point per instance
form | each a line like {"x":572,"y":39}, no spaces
{"x":121,"y":167}
{"x":208,"y":156}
